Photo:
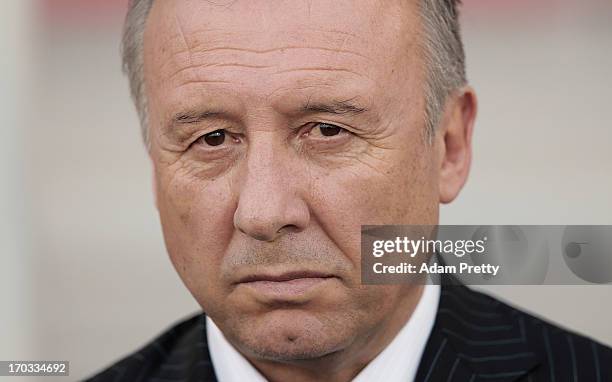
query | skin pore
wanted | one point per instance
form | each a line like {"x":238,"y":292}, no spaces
{"x":277,"y":129}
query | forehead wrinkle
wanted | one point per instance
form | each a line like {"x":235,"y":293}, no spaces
{"x":254,"y":41}
{"x":273,"y":95}
{"x":208,"y":37}
{"x":188,"y":48}
{"x":191,"y":56}
{"x":181,"y":33}
{"x":202,"y":81}
{"x":202,"y":61}
{"x":199,"y":53}
{"x":319,"y":69}
{"x":195,"y":66}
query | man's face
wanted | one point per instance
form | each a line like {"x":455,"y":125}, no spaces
{"x":277,"y":129}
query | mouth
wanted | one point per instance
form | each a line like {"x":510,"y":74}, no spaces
{"x":286,"y":286}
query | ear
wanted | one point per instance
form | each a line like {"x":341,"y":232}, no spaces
{"x":454,"y":140}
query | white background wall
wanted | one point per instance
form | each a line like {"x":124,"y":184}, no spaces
{"x":83,"y":265}
{"x":16,"y":295}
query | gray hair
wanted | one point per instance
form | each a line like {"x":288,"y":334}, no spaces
{"x":444,"y":57}
{"x":441,"y":46}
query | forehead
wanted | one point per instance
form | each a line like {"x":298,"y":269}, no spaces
{"x":273,"y":47}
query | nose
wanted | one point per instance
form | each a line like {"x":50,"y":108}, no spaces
{"x":270,"y":201}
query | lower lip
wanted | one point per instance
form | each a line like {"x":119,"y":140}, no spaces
{"x":286,"y":289}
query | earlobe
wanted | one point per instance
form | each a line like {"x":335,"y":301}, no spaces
{"x":456,"y":143}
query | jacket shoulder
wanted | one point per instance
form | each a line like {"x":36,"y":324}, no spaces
{"x":563,"y":353}
{"x":179,"y":353}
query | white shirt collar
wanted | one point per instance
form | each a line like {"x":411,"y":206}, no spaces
{"x":399,"y":361}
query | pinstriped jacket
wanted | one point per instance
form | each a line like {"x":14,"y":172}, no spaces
{"x":475,"y":338}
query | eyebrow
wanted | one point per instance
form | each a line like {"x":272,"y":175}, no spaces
{"x":189,"y":117}
{"x":348,"y":106}
{"x":338,"y":107}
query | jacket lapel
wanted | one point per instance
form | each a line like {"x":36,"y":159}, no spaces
{"x":475,"y":338}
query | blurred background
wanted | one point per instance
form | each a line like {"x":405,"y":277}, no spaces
{"x":84,"y":274}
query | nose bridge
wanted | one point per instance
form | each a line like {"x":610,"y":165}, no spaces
{"x":265,"y":176}
{"x":269,"y":201}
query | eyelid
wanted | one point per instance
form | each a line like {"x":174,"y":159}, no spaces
{"x":228,"y":135}
{"x":199,"y":135}
{"x":311,"y":125}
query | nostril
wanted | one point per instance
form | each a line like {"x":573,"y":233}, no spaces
{"x":289,"y":228}
{"x":257,"y":233}
{"x":261,"y":237}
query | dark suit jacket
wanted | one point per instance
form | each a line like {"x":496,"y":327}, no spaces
{"x":475,"y":338}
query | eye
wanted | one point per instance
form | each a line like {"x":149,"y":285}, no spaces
{"x":214,"y":138}
{"x":327,"y":129}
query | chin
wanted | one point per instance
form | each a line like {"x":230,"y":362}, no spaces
{"x":286,"y":335}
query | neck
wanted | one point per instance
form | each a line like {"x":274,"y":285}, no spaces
{"x":345,"y":364}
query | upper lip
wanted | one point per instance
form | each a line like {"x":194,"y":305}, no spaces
{"x":287,"y":276}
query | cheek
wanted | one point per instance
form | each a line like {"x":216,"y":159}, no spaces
{"x":371,"y":305}
{"x":196,"y":218}
{"x":397,"y":189}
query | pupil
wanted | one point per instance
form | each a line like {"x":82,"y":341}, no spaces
{"x":215,"y":138}
{"x":329,"y":130}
